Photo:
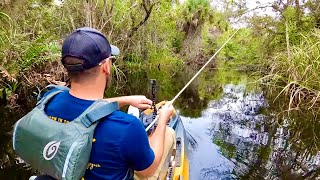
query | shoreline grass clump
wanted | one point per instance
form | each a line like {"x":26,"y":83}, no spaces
{"x":297,"y":73}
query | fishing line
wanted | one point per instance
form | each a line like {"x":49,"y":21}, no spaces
{"x":172,"y":101}
{"x":202,"y":68}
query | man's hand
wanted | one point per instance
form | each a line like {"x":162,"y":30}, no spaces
{"x":139,"y":101}
{"x":166,"y":111}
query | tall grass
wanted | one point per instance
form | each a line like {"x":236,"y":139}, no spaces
{"x":298,"y":74}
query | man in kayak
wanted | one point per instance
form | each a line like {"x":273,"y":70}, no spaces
{"x":120,"y":144}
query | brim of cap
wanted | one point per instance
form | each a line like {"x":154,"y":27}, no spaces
{"x":114,"y":50}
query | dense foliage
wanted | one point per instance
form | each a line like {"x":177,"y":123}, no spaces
{"x":168,"y":41}
{"x":158,"y":39}
{"x":163,"y":40}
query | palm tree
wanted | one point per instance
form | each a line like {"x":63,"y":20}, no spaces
{"x":195,"y":14}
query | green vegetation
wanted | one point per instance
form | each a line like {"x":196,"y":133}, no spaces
{"x":32,"y":32}
{"x":294,"y":55}
{"x":298,"y":71}
{"x":169,"y":41}
{"x":158,"y":39}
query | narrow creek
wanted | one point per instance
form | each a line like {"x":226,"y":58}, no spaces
{"x":232,"y":133}
{"x":225,"y":138}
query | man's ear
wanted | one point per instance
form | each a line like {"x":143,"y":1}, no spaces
{"x":107,"y":67}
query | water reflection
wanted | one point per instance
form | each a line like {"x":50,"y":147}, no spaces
{"x":295,"y":149}
{"x":236,"y":128}
{"x":246,"y":144}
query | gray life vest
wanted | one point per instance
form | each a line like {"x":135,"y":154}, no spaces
{"x":58,"y":149}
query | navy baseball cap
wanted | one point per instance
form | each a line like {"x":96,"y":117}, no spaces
{"x":89,"y":45}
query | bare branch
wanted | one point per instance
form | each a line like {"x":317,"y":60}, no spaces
{"x":146,"y":17}
{"x":256,"y":8}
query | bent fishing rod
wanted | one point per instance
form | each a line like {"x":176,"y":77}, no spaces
{"x":196,"y":75}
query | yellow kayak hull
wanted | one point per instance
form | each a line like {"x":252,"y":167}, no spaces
{"x":177,"y":162}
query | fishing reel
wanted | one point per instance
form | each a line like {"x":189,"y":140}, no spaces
{"x":149,"y":116}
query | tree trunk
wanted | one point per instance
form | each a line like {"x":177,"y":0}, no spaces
{"x":192,"y":44}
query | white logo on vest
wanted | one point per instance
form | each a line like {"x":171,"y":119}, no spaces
{"x":50,"y":150}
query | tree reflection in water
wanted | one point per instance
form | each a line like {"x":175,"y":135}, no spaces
{"x":259,"y":144}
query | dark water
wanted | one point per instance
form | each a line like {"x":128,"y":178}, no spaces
{"x":234,"y":133}
{"x":235,"y":140}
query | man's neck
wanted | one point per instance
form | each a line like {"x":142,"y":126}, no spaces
{"x":87,"y":92}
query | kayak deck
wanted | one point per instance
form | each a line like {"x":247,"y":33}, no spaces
{"x":176,"y":166}
{"x":180,"y":163}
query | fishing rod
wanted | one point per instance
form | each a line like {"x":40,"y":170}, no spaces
{"x":196,"y":75}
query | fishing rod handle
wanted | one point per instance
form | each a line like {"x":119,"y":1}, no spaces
{"x":153,"y":91}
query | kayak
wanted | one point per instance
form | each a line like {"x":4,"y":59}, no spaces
{"x":180,"y":170}
{"x":176,"y":166}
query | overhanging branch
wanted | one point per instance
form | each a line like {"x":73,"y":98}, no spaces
{"x":148,"y":11}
